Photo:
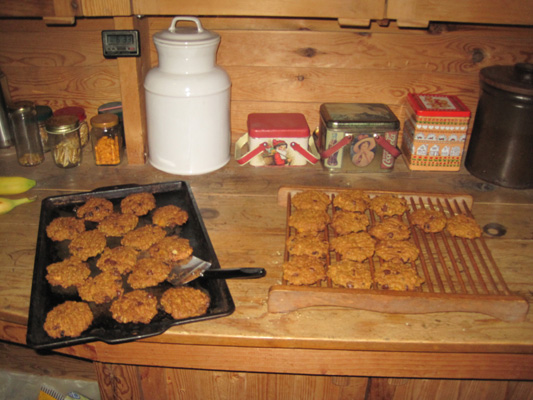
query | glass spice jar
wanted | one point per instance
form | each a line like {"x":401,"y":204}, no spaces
{"x":23,"y":119}
{"x":64,"y":140}
{"x":80,"y":113}
{"x":107,"y":139}
{"x":43,"y":113}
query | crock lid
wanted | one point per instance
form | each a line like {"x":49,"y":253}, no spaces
{"x":516,"y":78}
{"x":180,"y":35}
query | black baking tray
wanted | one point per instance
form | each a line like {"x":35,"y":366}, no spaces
{"x":104,"y":328}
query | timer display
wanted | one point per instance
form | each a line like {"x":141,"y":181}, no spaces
{"x":120,"y":43}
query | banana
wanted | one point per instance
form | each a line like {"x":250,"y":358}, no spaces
{"x":6,"y":205}
{"x":15,"y":184}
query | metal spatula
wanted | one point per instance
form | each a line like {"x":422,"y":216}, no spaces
{"x":195,"y":268}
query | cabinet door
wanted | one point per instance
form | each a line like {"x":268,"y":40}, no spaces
{"x":339,"y":9}
{"x":96,"y":8}
{"x":418,"y":13}
{"x":52,"y":11}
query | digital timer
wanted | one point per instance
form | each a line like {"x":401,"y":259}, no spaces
{"x":120,"y":43}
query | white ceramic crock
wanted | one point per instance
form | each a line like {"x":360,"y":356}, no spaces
{"x":187,"y":102}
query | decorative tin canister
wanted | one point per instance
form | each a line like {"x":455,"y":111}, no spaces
{"x":357,"y":137}
{"x":276,"y":139}
{"x":434,"y":132}
{"x":188,"y":102}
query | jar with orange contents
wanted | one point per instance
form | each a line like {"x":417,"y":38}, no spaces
{"x":106,"y":139}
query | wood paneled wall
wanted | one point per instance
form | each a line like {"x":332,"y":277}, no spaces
{"x":276,"y":65}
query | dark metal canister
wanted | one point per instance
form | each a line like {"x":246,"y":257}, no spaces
{"x":500,"y":150}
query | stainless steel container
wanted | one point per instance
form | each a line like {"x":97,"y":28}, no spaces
{"x":6,"y":134}
{"x":502,"y":136}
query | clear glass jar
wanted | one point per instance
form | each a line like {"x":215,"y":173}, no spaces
{"x":80,"y":113}
{"x":23,"y":120}
{"x":64,"y":140}
{"x":107,"y":139}
{"x":43,"y":113}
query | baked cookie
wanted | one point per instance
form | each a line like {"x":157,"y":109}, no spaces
{"x":397,"y":276}
{"x":354,"y":246}
{"x":144,"y":237}
{"x":148,"y":272}
{"x":352,"y":200}
{"x":68,"y":319}
{"x":430,"y":221}
{"x":463,"y":226}
{"x":87,"y":244}
{"x":301,"y":245}
{"x":70,"y":272}
{"x":304,"y":270}
{"x":390,"y":229}
{"x":171,"y":249}
{"x":185,"y":302}
{"x":120,"y":259}
{"x":64,"y":228}
{"x":169,"y":216}
{"x":118,"y":224}
{"x":345,"y":222}
{"x":309,"y":220}
{"x":387,"y":205}
{"x":95,"y":209}
{"x":397,"y":250}
{"x":311,"y":200}
{"x":350,"y":274}
{"x":102,"y":288}
{"x":137,"y":306}
{"x":138,"y":204}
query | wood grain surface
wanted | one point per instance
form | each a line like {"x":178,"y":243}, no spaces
{"x":279,"y":65}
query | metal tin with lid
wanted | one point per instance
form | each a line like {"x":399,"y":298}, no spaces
{"x":107,"y":139}
{"x":434,"y":132}
{"x":64,"y":140}
{"x":502,"y":139}
{"x":357,"y":137}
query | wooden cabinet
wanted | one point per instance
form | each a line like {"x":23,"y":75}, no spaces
{"x":351,"y":12}
{"x":418,"y":13}
{"x":52,"y":11}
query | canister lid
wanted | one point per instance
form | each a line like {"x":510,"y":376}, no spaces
{"x":271,"y":125}
{"x":359,"y":116}
{"x":186,"y":35}
{"x":104,"y":121}
{"x":437,"y":105}
{"x":43,"y":113}
{"x":22,"y":106}
{"x":114,"y":107}
{"x":72,"y":110}
{"x":516,"y":78}
{"x":61,"y":124}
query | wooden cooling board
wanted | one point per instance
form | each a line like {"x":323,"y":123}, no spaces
{"x":460,"y":274}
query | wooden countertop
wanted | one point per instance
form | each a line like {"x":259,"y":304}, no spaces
{"x":239,"y":205}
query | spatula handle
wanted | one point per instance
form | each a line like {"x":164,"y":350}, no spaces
{"x":231,"y":273}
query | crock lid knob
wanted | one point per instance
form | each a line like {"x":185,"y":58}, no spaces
{"x":192,"y":19}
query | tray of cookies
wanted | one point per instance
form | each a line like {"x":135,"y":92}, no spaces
{"x":393,"y":252}
{"x":101,"y":263}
